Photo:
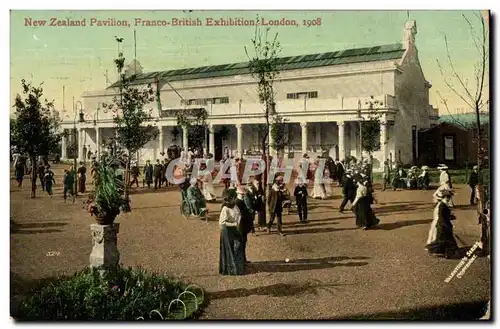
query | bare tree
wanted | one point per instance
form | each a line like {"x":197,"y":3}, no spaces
{"x":474,"y":97}
{"x":264,"y":68}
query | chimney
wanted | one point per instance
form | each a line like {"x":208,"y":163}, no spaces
{"x":409,"y":34}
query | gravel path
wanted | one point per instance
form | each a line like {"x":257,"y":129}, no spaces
{"x":335,"y":270}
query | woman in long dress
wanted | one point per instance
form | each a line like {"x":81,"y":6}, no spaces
{"x":82,"y":177}
{"x":362,"y":205}
{"x":208,"y":187}
{"x":440,"y":241}
{"x":231,"y":257}
{"x":318,"y":187}
{"x":328,"y":183}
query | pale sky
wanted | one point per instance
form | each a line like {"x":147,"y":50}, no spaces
{"x":78,"y":57}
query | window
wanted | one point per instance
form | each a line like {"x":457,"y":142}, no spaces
{"x":205,"y":101}
{"x":302,"y":95}
{"x":448,"y":148}
{"x":312,"y":94}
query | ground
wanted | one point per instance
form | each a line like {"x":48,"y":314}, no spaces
{"x":335,"y":270}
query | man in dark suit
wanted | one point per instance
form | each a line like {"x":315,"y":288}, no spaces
{"x":157,"y":173}
{"x":246,"y":223}
{"x":300,"y":193}
{"x":473,"y":181}
{"x":340,"y":171}
{"x":348,"y":190}
{"x":275,"y":204}
{"x":148,"y":173}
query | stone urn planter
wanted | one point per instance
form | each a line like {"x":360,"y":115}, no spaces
{"x":104,"y":204}
{"x":106,"y":219}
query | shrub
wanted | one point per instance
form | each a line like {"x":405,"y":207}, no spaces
{"x":124,"y":294}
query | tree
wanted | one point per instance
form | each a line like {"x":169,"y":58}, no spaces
{"x":195,"y":121}
{"x":370,"y":131}
{"x":279,"y":135}
{"x":370,"y":128}
{"x":34,"y":131}
{"x":474,"y":97}
{"x":264,"y":69}
{"x":133,"y":121}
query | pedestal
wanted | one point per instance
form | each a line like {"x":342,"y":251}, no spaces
{"x":104,"y":246}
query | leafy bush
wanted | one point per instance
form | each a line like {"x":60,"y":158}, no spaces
{"x":124,"y":294}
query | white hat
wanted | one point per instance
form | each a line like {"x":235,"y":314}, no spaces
{"x":425,"y":168}
{"x":442,"y":167}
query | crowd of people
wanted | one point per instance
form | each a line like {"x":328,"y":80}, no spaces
{"x":242,"y":203}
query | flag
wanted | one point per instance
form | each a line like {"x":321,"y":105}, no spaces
{"x":158,"y":98}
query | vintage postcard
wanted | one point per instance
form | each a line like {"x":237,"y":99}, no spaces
{"x":250,"y":165}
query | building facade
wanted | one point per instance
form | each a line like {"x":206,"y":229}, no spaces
{"x":322,"y":96}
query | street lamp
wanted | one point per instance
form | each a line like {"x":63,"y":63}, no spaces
{"x":76,"y":150}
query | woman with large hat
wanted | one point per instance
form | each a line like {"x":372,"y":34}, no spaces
{"x":231,"y":255}
{"x":444,"y":181}
{"x":440,"y":241}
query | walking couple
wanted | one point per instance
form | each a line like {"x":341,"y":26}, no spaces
{"x":235,"y":221}
{"x":359,"y":191}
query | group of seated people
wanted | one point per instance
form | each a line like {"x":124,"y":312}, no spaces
{"x":411,"y":180}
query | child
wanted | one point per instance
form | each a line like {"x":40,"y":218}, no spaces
{"x":301,"y":199}
{"x":69,"y":183}
{"x":48,"y":179}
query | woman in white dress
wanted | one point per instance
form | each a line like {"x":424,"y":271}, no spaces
{"x":208,"y":190}
{"x":444,"y":183}
{"x":328,"y":184}
{"x":234,"y":172}
{"x":318,"y":187}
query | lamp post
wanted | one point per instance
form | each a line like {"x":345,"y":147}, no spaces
{"x":76,"y":148}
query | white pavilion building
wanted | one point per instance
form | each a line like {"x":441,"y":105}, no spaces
{"x":321,"y":95}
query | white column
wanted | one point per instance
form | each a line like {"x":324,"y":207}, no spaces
{"x":303,"y":126}
{"x":359,"y":147}
{"x":341,"y":125}
{"x":383,"y":139}
{"x":239,"y":141}
{"x":272,"y":151}
{"x":63,"y":148}
{"x":97,"y":143}
{"x":161,"y":141}
{"x":211,"y":139}
{"x":185,"y":141}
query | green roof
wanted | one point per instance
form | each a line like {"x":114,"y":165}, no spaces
{"x":465,"y":119}
{"x":347,"y":56}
